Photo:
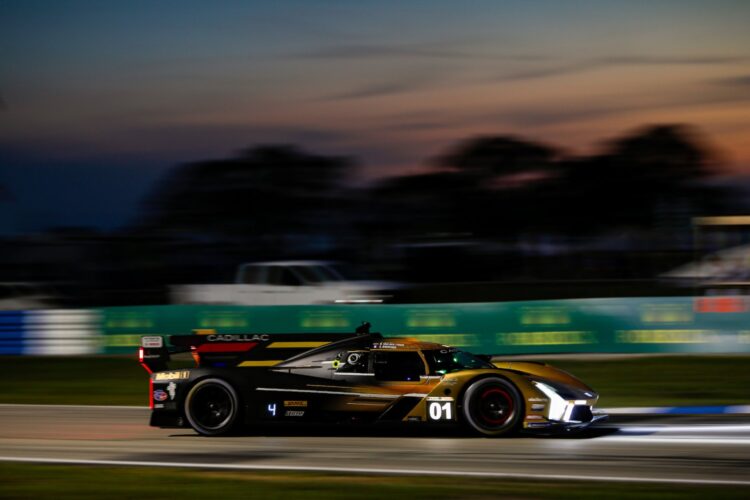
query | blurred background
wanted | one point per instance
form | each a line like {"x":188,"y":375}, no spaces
{"x":438,"y":153}
{"x":563,"y":181}
{"x":297,"y":153}
{"x":467,"y":158}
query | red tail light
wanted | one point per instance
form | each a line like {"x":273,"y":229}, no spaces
{"x":141,"y":357}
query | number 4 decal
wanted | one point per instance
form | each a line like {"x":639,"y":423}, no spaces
{"x":438,"y":410}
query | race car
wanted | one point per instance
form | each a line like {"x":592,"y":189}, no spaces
{"x":240,"y":379}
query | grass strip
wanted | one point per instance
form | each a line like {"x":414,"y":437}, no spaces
{"x":81,"y":482}
{"x":94,"y":380}
{"x":643,"y":381}
{"x":692,"y":380}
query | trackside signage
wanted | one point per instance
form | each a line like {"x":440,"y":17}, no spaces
{"x":625,"y":325}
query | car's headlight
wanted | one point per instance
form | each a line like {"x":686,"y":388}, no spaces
{"x":557,"y":405}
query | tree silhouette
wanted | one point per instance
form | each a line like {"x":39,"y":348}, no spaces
{"x":470,"y":192}
{"x":663,"y":155}
{"x":492,"y":156}
{"x":278,"y":201}
{"x":265,"y":190}
{"x":637,"y":178}
{"x":502,"y":186}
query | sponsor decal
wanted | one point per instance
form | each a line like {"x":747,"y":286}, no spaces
{"x":160,"y":395}
{"x":244,"y":337}
{"x":296,"y":404}
{"x":437,"y":410}
{"x":176,"y":375}
{"x":386,"y":345}
{"x":172,"y":390}
{"x":152,"y":342}
{"x":294,"y":413}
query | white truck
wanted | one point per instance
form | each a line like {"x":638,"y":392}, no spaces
{"x":286,"y":283}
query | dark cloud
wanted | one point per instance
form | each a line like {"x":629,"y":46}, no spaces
{"x":379,"y":90}
{"x":674,"y":60}
{"x":741,"y":81}
{"x":3,"y":105}
{"x":614,"y":61}
{"x":404,"y":121}
{"x":553,"y":116}
{"x":375,"y":50}
{"x":405,"y":81}
{"x":417,"y":126}
{"x":550,"y":71}
{"x":534,"y":117}
{"x":437,"y":50}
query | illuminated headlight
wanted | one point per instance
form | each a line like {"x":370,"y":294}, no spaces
{"x":557,"y":405}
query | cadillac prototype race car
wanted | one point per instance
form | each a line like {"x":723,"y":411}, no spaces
{"x":244,"y":378}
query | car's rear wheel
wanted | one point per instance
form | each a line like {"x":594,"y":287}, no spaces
{"x":212,"y":407}
{"x":492,"y":406}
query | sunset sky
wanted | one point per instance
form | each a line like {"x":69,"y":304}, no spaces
{"x":98,"y":98}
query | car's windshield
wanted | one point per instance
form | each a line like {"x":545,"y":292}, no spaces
{"x":451,"y":360}
{"x":316,"y":274}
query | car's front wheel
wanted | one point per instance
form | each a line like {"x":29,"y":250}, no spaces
{"x":492,"y":406}
{"x":212,"y":407}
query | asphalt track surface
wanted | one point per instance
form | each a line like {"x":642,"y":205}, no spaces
{"x":680,"y":450}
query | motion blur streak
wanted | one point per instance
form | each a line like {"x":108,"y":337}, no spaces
{"x":689,"y":454}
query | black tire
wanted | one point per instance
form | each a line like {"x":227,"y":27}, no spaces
{"x":212,"y":407}
{"x":492,"y":406}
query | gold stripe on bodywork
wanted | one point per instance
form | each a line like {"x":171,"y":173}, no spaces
{"x":295,"y":345}
{"x":204,"y":331}
{"x":265,"y":362}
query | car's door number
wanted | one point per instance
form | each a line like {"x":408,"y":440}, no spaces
{"x":439,"y":410}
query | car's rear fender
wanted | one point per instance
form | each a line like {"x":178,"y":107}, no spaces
{"x":172,"y":386}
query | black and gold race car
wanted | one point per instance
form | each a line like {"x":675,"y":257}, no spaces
{"x":244,"y":378}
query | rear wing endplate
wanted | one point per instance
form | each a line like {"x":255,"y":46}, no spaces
{"x":153,"y":354}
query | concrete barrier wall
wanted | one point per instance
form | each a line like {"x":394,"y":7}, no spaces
{"x":51,"y":332}
{"x":627,"y":325}
{"x":12,"y":332}
{"x":62,"y":332}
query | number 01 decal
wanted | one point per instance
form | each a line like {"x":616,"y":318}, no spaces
{"x":439,"y":410}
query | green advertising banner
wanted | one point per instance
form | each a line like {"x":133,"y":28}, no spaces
{"x":621,"y":325}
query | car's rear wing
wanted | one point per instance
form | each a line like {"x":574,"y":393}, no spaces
{"x":227,"y":350}
{"x":153,"y":353}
